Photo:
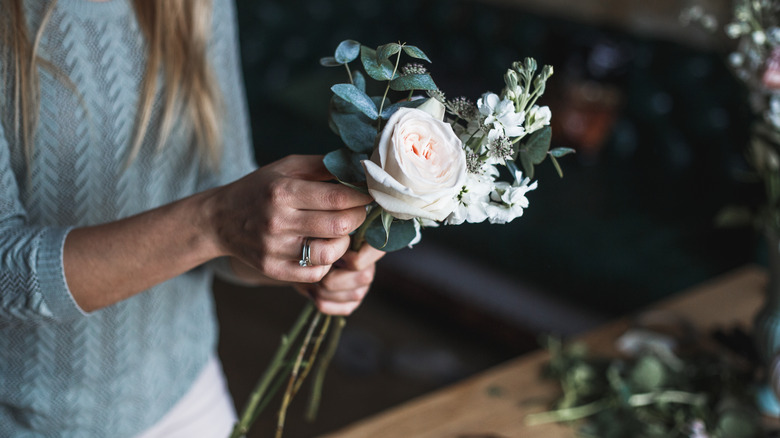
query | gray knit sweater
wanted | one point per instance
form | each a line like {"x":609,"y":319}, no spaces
{"x":116,"y":371}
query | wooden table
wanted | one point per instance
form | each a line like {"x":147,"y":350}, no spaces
{"x":493,"y":404}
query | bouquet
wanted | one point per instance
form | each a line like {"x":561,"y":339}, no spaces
{"x":427,"y":161}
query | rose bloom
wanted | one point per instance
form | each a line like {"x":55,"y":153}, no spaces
{"x":419,"y":166}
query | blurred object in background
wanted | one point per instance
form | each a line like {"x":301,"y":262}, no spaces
{"x":589,"y":95}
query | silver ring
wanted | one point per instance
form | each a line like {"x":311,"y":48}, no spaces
{"x":306,"y":254}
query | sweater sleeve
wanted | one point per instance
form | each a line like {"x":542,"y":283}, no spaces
{"x":32,"y":277}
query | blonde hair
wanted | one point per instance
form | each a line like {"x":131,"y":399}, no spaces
{"x":177,"y":34}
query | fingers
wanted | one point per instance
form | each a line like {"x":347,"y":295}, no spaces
{"x":341,"y":291}
{"x":334,"y":303}
{"x":362,"y":259}
{"x":326,"y":224}
{"x":326,"y":251}
{"x":316,"y":195}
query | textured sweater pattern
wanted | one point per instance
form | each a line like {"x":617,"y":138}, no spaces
{"x":115,"y":371}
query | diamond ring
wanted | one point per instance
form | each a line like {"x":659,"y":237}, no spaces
{"x":306,"y":254}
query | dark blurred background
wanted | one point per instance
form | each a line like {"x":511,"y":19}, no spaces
{"x":659,"y":126}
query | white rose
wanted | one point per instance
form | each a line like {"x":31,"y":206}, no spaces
{"x":418,"y":167}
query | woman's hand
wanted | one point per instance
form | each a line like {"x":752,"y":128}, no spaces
{"x":263,"y":219}
{"x":342,"y":290}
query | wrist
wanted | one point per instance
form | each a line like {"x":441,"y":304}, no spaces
{"x":206,"y":209}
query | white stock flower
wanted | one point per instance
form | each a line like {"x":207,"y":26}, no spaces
{"x":501,"y":115}
{"x":508,"y":200}
{"x":418,"y":167}
{"x":538,"y":118}
{"x":473,"y":199}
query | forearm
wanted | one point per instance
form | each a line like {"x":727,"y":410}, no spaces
{"x":107,"y":263}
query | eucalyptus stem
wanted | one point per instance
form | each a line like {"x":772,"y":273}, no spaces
{"x":349,"y":73}
{"x":288,"y":394}
{"x":387,"y":90}
{"x":251,"y":410}
{"x":322,"y":368}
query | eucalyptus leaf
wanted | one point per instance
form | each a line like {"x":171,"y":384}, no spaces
{"x":378,"y":101}
{"x":355,"y":96}
{"x":413,"y":82}
{"x":347,"y":51}
{"x":376,"y":69}
{"x":339,"y":105}
{"x":390,"y":110}
{"x":560,"y":152}
{"x":346,"y":166}
{"x":415,"y":52}
{"x":359,"y":80}
{"x":356,"y":131}
{"x":329,"y":61}
{"x":401,"y":234}
{"x":384,"y":52}
{"x":534,"y":151}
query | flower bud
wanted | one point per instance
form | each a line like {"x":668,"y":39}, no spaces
{"x":510,"y":79}
{"x":530,"y":65}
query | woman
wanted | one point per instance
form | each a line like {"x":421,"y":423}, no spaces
{"x":126,"y":181}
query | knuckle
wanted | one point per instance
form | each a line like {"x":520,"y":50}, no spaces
{"x":341,"y":226}
{"x":275,"y":224}
{"x":354,"y":295}
{"x":278,"y":191}
{"x":315,"y":274}
{"x":330,"y":254}
{"x":365,"y":277}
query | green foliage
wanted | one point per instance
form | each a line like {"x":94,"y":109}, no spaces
{"x":656,"y":394}
{"x":378,"y":69}
{"x":388,"y":234}
{"x":345,"y":166}
{"x":357,"y":97}
{"x":347,"y":51}
{"x":355,"y":129}
{"x":413,"y":82}
{"x":534,"y":150}
{"x":384,"y":52}
{"x":415,"y":52}
{"x":391,"y":109}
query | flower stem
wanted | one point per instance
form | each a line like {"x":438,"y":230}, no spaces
{"x":313,"y":354}
{"x":288,"y":394}
{"x":360,"y":235}
{"x":251,"y":410}
{"x":322,"y":368}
